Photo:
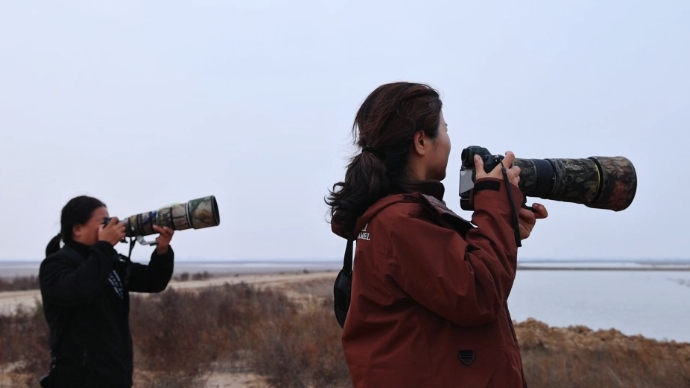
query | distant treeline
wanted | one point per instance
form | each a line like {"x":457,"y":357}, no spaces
{"x":19,"y":283}
{"x":23,"y":283}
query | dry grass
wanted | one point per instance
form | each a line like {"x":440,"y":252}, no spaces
{"x":19,"y":283}
{"x":23,"y":347}
{"x":185,"y":335}
{"x":182,"y":337}
{"x":301,"y":352}
{"x":577,"y":357}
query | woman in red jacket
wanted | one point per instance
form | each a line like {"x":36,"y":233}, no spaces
{"x":429,"y":289}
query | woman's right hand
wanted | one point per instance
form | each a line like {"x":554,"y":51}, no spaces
{"x":113,"y":233}
{"x":512,"y":172}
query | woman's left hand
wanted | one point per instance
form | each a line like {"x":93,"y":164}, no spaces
{"x":163,"y":240}
{"x":528,"y":218}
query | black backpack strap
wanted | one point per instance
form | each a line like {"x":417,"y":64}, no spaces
{"x":342,"y":288}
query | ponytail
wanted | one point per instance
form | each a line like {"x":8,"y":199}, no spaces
{"x":54,"y":245}
{"x":384,"y":128}
{"x":365,"y":183}
{"x":77,"y":211}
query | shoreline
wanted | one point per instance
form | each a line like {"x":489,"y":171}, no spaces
{"x":539,"y":340}
{"x":291,"y":282}
{"x":17,"y":268}
{"x":656,"y":268}
{"x":13,"y":269}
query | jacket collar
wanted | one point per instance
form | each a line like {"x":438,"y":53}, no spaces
{"x":404,"y":192}
{"x":81,"y":249}
{"x":431,"y":187}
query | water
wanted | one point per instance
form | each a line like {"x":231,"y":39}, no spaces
{"x":635,"y":298}
{"x":655,"y":304}
{"x":12,"y":268}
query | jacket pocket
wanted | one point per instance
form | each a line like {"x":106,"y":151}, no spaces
{"x":481,"y":368}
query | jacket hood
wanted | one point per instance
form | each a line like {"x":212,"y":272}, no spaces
{"x":406,"y":193}
{"x":373,"y":210}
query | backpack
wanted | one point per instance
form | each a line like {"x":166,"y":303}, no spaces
{"x":342,"y":288}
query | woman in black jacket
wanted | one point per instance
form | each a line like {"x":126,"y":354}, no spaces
{"x":85,"y":287}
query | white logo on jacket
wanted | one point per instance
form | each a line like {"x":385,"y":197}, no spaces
{"x":115,"y":281}
{"x":364,"y":235}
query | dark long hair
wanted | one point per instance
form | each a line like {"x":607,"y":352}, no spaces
{"x":77,"y":211}
{"x":383,"y":129}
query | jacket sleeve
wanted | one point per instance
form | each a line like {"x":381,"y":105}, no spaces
{"x":467,"y":281}
{"x":155,"y":276}
{"x":68,"y":282}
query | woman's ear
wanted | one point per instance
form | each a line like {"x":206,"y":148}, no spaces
{"x":76,"y":231}
{"x":419,"y":142}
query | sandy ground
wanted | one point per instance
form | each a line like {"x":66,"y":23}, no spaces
{"x":236,"y":380}
{"x":11,"y":301}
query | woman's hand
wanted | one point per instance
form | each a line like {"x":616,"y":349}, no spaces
{"x":163,"y":240}
{"x":528,"y":218}
{"x":513,"y":172}
{"x":113,"y":233}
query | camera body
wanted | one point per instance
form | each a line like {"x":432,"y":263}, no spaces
{"x":468,"y":173}
{"x":600,"y":182}
{"x":490,"y":161}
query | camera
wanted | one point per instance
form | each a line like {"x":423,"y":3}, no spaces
{"x":600,"y":182}
{"x":490,"y":161}
{"x":197,"y":214}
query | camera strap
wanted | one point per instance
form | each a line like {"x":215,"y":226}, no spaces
{"x":513,"y":210}
{"x":132,"y":242}
{"x":342,"y":288}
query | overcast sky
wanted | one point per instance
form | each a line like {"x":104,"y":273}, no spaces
{"x":146,"y":103}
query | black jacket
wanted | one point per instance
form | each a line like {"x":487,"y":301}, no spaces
{"x":85,"y":294}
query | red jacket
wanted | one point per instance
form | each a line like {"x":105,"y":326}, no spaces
{"x":429,"y":294}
